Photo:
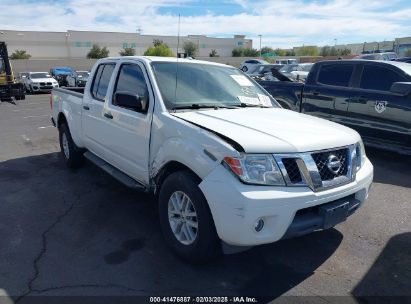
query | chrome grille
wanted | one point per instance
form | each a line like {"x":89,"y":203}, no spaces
{"x":319,"y":170}
{"x":322,"y":158}
{"x":293,"y":171}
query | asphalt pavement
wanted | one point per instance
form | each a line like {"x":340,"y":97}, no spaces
{"x":81,"y":233}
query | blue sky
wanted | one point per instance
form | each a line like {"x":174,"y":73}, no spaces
{"x":282,"y":23}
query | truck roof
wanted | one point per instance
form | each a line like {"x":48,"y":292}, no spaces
{"x":166,"y":59}
{"x":399,"y":64}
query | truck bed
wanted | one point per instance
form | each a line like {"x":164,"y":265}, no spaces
{"x":70,"y":90}
{"x":288,"y":94}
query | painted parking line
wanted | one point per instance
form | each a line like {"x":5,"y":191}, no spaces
{"x":35,"y":116}
{"x":45,"y":127}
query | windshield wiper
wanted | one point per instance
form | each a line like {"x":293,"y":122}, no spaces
{"x":196,"y":106}
{"x":251,"y":105}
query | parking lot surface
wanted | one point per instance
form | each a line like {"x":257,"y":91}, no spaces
{"x":65,"y":232}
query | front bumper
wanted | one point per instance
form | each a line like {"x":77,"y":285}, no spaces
{"x":43,"y":88}
{"x":236,"y":207}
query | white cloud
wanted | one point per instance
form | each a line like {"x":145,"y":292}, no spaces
{"x":283,"y":23}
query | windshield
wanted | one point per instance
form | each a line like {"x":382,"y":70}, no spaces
{"x":306,"y":67}
{"x":206,"y":84}
{"x":406,"y":67}
{"x":40,"y":75}
{"x":83,"y":74}
{"x":288,"y":68}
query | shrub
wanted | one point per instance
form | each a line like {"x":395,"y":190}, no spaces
{"x":96,"y":52}
{"x":20,"y":54}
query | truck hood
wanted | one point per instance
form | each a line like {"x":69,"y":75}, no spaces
{"x":43,"y":80}
{"x":262,"y":130}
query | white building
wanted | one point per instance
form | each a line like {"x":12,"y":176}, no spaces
{"x":76,"y":44}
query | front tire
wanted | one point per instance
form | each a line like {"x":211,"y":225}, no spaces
{"x":186,"y":220}
{"x":72,"y":155}
{"x":244,"y":69}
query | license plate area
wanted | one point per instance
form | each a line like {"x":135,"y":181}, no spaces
{"x":334,"y":213}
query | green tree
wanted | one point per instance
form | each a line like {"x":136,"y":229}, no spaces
{"x":345,"y":52}
{"x":161,"y":50}
{"x":289,"y":53}
{"x":158,"y":42}
{"x":266,"y":50}
{"x":307,"y":51}
{"x":190,"y":48}
{"x":238,"y":52}
{"x":213,"y":53}
{"x":128,"y":52}
{"x":408,"y":53}
{"x":96,"y":52}
{"x":251,"y":53}
{"x":280,"y":52}
{"x":332,"y":51}
{"x":20,"y":54}
{"x":325,"y":51}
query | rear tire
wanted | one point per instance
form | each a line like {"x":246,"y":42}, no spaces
{"x":179,"y":220}
{"x":72,"y":155}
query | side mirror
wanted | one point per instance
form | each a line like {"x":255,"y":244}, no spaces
{"x":129,"y":101}
{"x":402,"y":88}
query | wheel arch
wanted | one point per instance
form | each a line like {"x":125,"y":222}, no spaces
{"x":61,"y":118}
{"x":169,"y":168}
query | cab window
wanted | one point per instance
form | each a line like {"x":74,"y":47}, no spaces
{"x":336,"y":74}
{"x":131,"y":80}
{"x":101,"y":81}
{"x":379,"y":78}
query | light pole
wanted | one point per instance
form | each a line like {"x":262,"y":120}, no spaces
{"x":67,"y":35}
{"x":335,"y":41}
{"x":260,"y":44}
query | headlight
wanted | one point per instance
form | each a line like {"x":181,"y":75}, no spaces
{"x":360,"y":153}
{"x":259,"y":169}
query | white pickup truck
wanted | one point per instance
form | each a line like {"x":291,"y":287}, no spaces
{"x":229,"y":166}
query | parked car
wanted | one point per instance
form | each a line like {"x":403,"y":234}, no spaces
{"x":40,"y":82}
{"x":60,"y":74}
{"x":297,"y":71}
{"x":378,"y":56}
{"x":249,"y":65}
{"x":286,"y":61}
{"x":404,"y":59}
{"x":372,"y":97}
{"x":261,"y":69}
{"x":77,"y":79}
{"x":229,"y":166}
{"x":22,"y":76}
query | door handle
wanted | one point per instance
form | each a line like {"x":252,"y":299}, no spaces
{"x":360,"y":99}
{"x":86,"y":108}
{"x":108,"y":115}
{"x":315,"y":93}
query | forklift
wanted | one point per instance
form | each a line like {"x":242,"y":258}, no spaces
{"x":9,"y":88}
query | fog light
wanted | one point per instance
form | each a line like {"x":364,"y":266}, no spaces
{"x":259,"y":225}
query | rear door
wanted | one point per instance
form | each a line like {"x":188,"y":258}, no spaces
{"x":327,"y":92}
{"x":94,"y":123}
{"x":377,"y":113}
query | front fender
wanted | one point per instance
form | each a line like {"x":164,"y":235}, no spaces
{"x":186,"y":152}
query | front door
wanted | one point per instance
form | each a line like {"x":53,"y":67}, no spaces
{"x":128,"y":131}
{"x":380,"y":114}
{"x":328,"y":97}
